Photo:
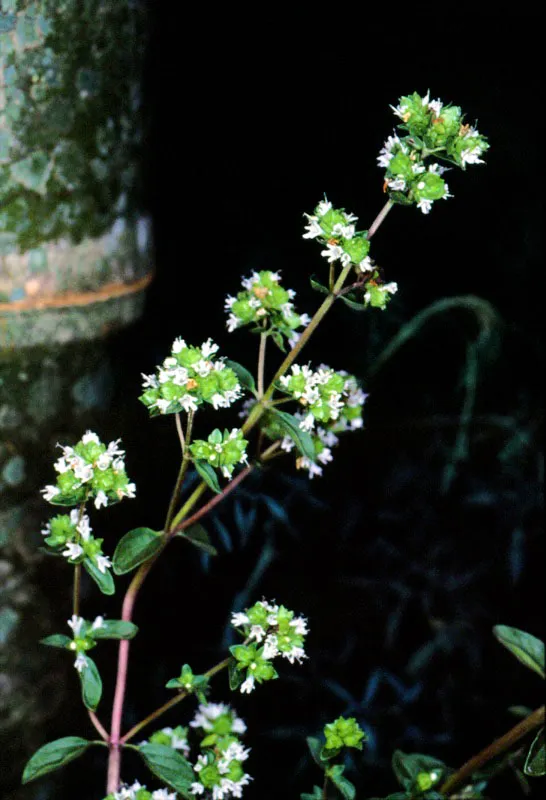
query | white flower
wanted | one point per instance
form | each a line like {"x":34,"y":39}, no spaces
{"x":89,"y":436}
{"x":50,"y":492}
{"x":197,"y":788}
{"x":73,"y":550}
{"x":257,"y":633}
{"x":332,"y":252}
{"x":209,"y":348}
{"x":270,"y":647}
{"x":248,"y":686}
{"x":103,"y":563}
{"x":178,"y":345}
{"x":101,"y":499}
{"x":103,"y":461}
{"x":83,"y":527}
{"x":307,"y":423}
{"x":313,"y":229}
{"x":325,"y":456}
{"x":149,"y":381}
{"x":188,"y":402}
{"x":295,"y":654}
{"x":436,"y":107}
{"x":81,"y":662}
{"x":398,"y":184}
{"x":239,"y":619}
{"x":163,"y":794}
{"x":76,"y":624}
{"x":300,"y":626}
{"x":424,"y":205}
{"x":323,"y":207}
{"x":97,"y":624}
{"x":366,"y":265}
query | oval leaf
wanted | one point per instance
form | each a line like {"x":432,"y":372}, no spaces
{"x":315,"y":747}
{"x":235,"y":675}
{"x":57,"y":640}
{"x":318,"y":286}
{"x":91,"y":684}
{"x":535,"y":763}
{"x":345,"y":787}
{"x":168,"y":765}
{"x":135,"y":548}
{"x":198,"y":536}
{"x":54,"y":755}
{"x":209,"y":475}
{"x":104,"y":580}
{"x":527,"y":648}
{"x":245,"y":378}
{"x":291,"y":427}
{"x":115,"y":629}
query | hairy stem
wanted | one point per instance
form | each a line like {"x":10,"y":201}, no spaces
{"x":76,"y":590}
{"x":534,"y":720}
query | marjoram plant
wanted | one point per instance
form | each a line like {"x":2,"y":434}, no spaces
{"x":206,"y":758}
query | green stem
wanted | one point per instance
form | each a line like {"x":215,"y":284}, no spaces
{"x":169,"y":704}
{"x":534,"y":720}
{"x":182,"y":473}
{"x":261,"y":364}
{"x":76,"y":590}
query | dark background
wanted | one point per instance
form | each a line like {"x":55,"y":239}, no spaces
{"x":403,"y":555}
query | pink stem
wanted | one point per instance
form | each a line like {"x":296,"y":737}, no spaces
{"x":97,"y":725}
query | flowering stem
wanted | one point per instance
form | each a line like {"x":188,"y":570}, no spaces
{"x":182,"y":474}
{"x":261,"y":364}
{"x":76,"y":590}
{"x":97,"y":725}
{"x":380,"y":217}
{"x":170,"y":703}
{"x":180,"y":432}
{"x":494,"y":749}
{"x":212,"y":502}
{"x":173,"y":521}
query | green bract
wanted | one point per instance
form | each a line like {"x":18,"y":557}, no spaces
{"x":189,"y":377}
{"x":343,"y":733}
{"x":267,"y":306}
{"x":88,"y":470}
{"x":222,"y":450}
{"x":70,"y":535}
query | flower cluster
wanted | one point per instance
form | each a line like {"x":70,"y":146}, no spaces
{"x":70,"y":535}
{"x":343,"y":733}
{"x":219,"y":768}
{"x":433,"y":129}
{"x":276,"y":632}
{"x":139,"y":792}
{"x":327,"y":396}
{"x":83,"y":633}
{"x":335,"y":228}
{"x":267,"y":306}
{"x":222,"y":450}
{"x":189,"y":377}
{"x":177,"y":738}
{"x":90,"y":469}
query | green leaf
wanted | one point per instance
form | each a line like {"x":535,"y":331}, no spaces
{"x":291,"y":427}
{"x":535,"y":763}
{"x":54,"y":755}
{"x":104,"y":580}
{"x":91,"y":684}
{"x":318,"y":286}
{"x":168,"y":765}
{"x":527,"y":648}
{"x":317,"y":794}
{"x":356,"y":306}
{"x":115,"y":629}
{"x":235,"y":675}
{"x":57,"y":640}
{"x":407,"y":767}
{"x":245,"y":378}
{"x":346,"y":788}
{"x":135,"y":548}
{"x":208,"y":474}
{"x":198,"y":536}
{"x":315,"y":747}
